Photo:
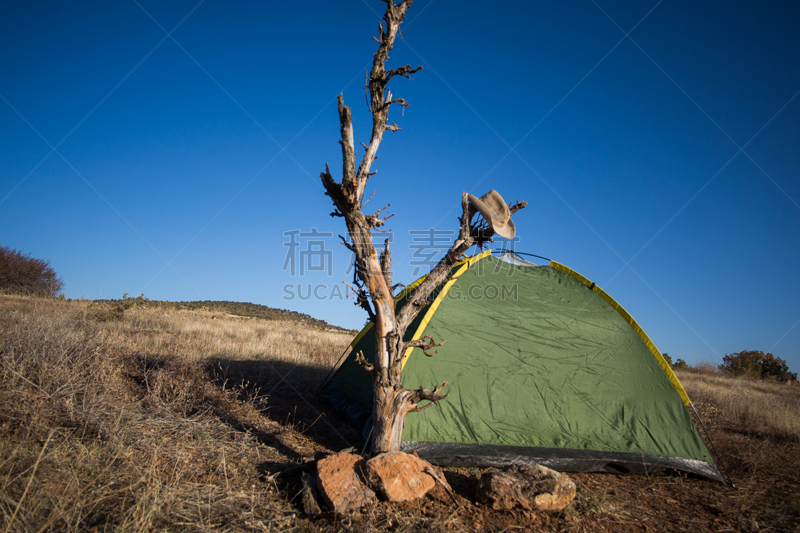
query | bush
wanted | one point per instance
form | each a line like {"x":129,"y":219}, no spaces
{"x":680,"y":363}
{"x":117,"y":308}
{"x":23,"y":274}
{"x":755,"y":364}
{"x":667,"y":358}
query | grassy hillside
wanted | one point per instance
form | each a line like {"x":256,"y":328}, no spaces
{"x":240,"y":309}
{"x":194,"y":420}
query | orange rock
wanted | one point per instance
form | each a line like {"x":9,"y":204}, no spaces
{"x":400,"y":477}
{"x":340,"y":480}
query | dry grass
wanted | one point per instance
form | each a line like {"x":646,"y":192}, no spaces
{"x":756,"y":428}
{"x":117,"y":426}
{"x":166,"y":421}
{"x":766,"y":408}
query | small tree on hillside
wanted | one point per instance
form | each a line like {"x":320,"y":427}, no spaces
{"x":755,"y":364}
{"x":372,"y":274}
{"x":23,"y":274}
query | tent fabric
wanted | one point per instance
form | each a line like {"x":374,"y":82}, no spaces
{"x":636,"y":327}
{"x":543,"y":367}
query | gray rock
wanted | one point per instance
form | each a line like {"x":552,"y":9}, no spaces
{"x":309,"y":496}
{"x":532,"y":487}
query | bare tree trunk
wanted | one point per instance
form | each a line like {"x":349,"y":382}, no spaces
{"x":388,"y":414}
{"x":372,"y":277}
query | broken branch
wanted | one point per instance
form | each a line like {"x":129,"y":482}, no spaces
{"x":361,"y":360}
{"x":422,"y":394}
{"x":425,"y":343}
{"x":400,"y":101}
{"x":517,"y":206}
{"x":404,"y":71}
{"x":375,"y":221}
{"x":347,"y":245}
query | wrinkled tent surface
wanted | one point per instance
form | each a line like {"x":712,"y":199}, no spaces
{"x":543,"y":367}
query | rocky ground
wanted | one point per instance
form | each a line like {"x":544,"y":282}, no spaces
{"x":765,"y":470}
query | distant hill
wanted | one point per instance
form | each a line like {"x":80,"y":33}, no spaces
{"x":242,"y":309}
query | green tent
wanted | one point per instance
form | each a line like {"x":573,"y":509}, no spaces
{"x":543,"y":367}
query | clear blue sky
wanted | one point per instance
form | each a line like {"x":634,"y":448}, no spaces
{"x":167,"y":147}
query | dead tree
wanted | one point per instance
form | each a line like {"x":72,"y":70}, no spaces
{"x":372,"y":278}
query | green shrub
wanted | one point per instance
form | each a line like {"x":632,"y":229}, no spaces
{"x":755,"y":364}
{"x":115,"y":310}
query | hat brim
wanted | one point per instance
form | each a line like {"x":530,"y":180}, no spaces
{"x":503,"y":228}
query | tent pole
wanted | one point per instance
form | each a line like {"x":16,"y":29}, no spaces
{"x":730,"y":479}
{"x":366,"y":443}
{"x":518,"y":254}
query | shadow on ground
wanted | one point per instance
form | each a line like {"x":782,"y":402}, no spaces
{"x":287,"y":394}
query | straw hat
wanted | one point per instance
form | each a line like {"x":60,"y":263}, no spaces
{"x":494,"y":211}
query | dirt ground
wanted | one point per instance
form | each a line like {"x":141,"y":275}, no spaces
{"x":766,"y":474}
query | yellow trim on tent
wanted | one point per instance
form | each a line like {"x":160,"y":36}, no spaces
{"x":396,"y":299}
{"x":636,"y":327}
{"x":361,"y":334}
{"x":402,"y":295}
{"x":465,"y":264}
{"x":410,"y":288}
